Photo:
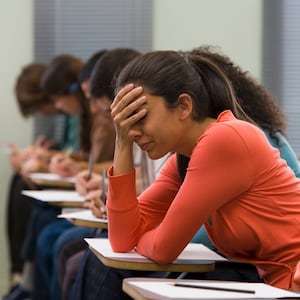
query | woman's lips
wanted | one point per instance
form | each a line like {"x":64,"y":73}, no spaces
{"x":144,"y":146}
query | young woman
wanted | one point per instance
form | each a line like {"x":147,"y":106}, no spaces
{"x":247,"y":197}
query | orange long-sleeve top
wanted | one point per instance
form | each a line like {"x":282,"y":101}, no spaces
{"x":236,"y":184}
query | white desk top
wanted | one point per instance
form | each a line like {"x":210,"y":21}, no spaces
{"x":194,"y":258}
{"x":84,"y":218}
{"x":164,"y":289}
{"x":56,"y":197}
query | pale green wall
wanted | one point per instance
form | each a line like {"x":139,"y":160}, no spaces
{"x":234,"y":25}
{"x":15,"y":51}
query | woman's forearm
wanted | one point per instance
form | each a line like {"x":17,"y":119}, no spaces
{"x":123,"y":158}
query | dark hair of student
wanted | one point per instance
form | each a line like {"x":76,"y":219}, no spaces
{"x":87,"y":69}
{"x":60,"y":79}
{"x":254,"y":98}
{"x":28,"y":92}
{"x":169,"y":74}
{"x":107,"y":70}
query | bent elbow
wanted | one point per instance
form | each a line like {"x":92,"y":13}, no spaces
{"x":119,"y":246}
{"x":163,"y":256}
{"x":162,"y":260}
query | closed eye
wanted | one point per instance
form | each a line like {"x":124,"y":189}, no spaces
{"x":141,"y":119}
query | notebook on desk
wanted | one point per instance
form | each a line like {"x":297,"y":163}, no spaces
{"x":54,"y":195}
{"x":51,"y":177}
{"x":193,"y":252}
{"x":84,"y":218}
{"x":84,"y":214}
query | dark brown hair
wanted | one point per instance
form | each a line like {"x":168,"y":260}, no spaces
{"x":29,"y":94}
{"x":62,"y":78}
{"x":255,"y":99}
{"x":107,"y":70}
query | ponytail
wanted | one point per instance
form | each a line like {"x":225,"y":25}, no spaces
{"x":218,"y":87}
{"x":220,"y":95}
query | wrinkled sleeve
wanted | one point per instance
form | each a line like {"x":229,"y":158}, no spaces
{"x":161,"y":226}
{"x":128,"y":216}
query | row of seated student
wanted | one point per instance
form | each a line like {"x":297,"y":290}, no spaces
{"x":60,"y":82}
{"x":102,"y":138}
{"x":33,"y":101}
{"x":38,"y":157}
{"x":56,"y":234}
{"x":218,"y":93}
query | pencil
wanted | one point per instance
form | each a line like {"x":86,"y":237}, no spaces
{"x":214,"y":288}
{"x":104,"y":185}
{"x":91,"y":166}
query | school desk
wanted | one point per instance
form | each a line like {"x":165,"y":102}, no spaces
{"x":84,"y":218}
{"x":52,"y":180}
{"x":165,"y":289}
{"x":194,"y":258}
{"x":61,"y":198}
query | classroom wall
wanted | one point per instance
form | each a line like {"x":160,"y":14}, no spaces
{"x":233,"y":25}
{"x":15,"y":51}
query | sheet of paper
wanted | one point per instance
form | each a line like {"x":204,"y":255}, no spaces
{"x":191,"y":252}
{"x":54,"y":195}
{"x":51,"y":177}
{"x":167,"y":289}
{"x":85,"y":215}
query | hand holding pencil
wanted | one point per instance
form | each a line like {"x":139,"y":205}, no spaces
{"x":86,"y":182}
{"x":63,"y":165}
{"x":97,"y":206}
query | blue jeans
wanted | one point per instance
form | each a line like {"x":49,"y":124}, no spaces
{"x":41,"y":215}
{"x":50,"y":242}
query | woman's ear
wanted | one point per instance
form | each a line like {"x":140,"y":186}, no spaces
{"x":185,"y":106}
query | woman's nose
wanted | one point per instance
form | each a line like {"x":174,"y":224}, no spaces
{"x":134,"y":133}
